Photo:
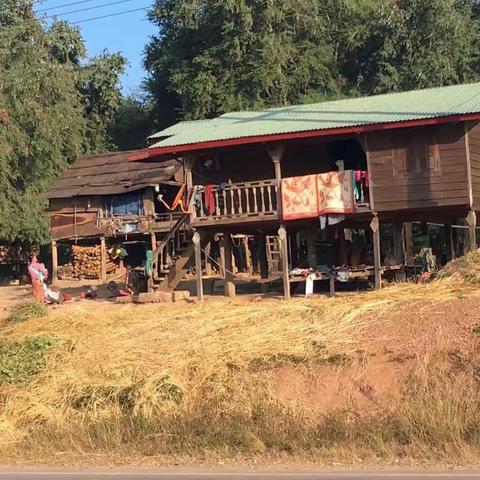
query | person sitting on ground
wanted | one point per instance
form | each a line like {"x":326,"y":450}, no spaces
{"x":38,"y":275}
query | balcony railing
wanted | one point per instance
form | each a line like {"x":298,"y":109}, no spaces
{"x":247,"y":201}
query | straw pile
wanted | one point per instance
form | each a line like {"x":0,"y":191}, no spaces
{"x":125,"y":380}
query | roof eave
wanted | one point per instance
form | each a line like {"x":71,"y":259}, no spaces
{"x":157,"y":151}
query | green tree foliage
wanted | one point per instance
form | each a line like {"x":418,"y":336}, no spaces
{"x":132,"y":124}
{"x":212,"y":56}
{"x":50,"y":112}
{"x":218,"y":55}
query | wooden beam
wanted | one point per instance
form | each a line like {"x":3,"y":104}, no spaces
{"x":228,"y":265}
{"x":248,"y":256}
{"x":103,"y":259}
{"x":262,"y":255}
{"x":153,"y":241}
{"x":54,"y":261}
{"x":408,"y":238}
{"x":375,"y":227}
{"x":449,"y":242}
{"x":398,"y":250}
{"x":311,"y":248}
{"x":282,"y":235}
{"x":208,"y":260}
{"x":198,"y":265}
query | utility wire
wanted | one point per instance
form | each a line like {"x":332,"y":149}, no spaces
{"x":89,"y":8}
{"x":111,"y":15}
{"x":62,"y":6}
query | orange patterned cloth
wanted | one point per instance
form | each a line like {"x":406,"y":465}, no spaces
{"x":314,"y":195}
{"x":299,"y":197}
{"x":334,"y":194}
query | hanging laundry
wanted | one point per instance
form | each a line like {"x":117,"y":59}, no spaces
{"x":334,"y":194}
{"x":299,"y":197}
{"x":210,"y":199}
{"x":335,"y":219}
{"x":323,"y":221}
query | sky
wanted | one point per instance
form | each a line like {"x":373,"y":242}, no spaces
{"x":127,"y":33}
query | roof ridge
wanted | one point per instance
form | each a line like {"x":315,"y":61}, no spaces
{"x":346,"y":99}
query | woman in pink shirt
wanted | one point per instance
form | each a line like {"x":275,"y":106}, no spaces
{"x":38,"y":274}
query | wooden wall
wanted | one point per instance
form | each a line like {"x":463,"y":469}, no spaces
{"x":474,"y":147}
{"x":77,"y":217}
{"x":402,"y":177}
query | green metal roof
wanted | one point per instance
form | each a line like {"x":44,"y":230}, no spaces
{"x":378,"y":109}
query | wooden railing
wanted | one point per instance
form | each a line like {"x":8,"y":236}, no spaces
{"x":237,"y":202}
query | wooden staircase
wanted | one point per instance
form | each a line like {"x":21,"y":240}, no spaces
{"x":174,"y":256}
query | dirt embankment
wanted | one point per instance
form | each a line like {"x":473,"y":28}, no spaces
{"x":388,"y":376}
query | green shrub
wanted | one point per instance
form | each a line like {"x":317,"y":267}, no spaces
{"x":19,"y":361}
{"x":27,"y":311}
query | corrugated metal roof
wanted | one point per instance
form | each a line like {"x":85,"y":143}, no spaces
{"x":378,"y":109}
{"x":180,"y":127}
{"x":110,"y":174}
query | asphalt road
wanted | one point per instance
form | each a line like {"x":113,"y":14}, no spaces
{"x":338,"y":475}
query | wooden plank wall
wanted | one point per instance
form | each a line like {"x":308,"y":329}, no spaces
{"x":474,"y":145}
{"x":445,"y":186}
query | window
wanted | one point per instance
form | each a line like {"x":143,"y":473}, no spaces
{"x":130,"y":204}
{"x":415,"y":154}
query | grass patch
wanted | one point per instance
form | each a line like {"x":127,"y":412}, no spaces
{"x":20,"y":361}
{"x":27,"y":311}
{"x":133,"y":381}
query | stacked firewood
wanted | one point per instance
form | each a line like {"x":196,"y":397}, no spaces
{"x":12,"y":255}
{"x":86,"y":264}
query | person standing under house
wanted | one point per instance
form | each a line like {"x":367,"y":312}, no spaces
{"x":38,"y":275}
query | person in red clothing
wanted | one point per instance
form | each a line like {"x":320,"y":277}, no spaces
{"x":38,"y":275}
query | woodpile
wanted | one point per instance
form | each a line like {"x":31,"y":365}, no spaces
{"x":86,"y":264}
{"x":12,"y":255}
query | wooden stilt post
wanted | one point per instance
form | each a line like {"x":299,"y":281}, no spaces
{"x":153,"y":241}
{"x":449,"y":242}
{"x":103,"y":259}
{"x":408,"y":236}
{"x":282,"y":235}
{"x":343,"y":256}
{"x":398,"y":251}
{"x":311,"y":248}
{"x":293,"y":249}
{"x":375,"y":226}
{"x":332,"y":283}
{"x":54,"y":261}
{"x":472,"y":230}
{"x":228,"y":265}
{"x":248,"y":256}
{"x":208,"y":260}
{"x":262,"y":255}
{"x":198,"y":265}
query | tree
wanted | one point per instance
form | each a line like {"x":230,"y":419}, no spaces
{"x":46,"y":109}
{"x":218,"y":55}
{"x":132,"y":124}
{"x":214,"y":56}
{"x":415,"y":44}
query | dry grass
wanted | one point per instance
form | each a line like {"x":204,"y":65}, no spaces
{"x":176,"y":379}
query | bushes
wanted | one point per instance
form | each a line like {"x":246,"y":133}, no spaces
{"x":27,"y":311}
{"x":19,"y":361}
